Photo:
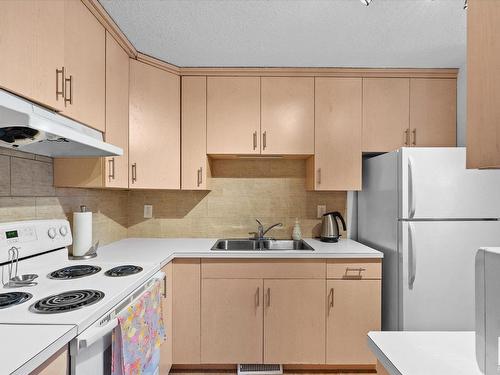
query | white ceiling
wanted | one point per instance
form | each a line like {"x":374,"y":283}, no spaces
{"x":335,"y":33}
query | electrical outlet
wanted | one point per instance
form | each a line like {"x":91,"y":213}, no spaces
{"x":148,"y":211}
{"x":321,"y":210}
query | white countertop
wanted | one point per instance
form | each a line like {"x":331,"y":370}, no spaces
{"x":425,"y":353}
{"x":163,"y":250}
{"x":31,"y":345}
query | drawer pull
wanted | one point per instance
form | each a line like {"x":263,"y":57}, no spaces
{"x":349,"y":273}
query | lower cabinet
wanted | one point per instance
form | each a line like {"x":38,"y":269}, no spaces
{"x":58,"y":364}
{"x":166,"y":348}
{"x":231,"y":320}
{"x":294,"y":321}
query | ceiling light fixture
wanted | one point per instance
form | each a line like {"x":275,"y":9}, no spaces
{"x":366,"y":2}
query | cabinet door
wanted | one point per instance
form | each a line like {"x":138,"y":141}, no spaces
{"x":385,"y":113}
{"x":186,"y":311}
{"x":84,"y":60}
{"x":294,"y":321}
{"x":338,"y":111}
{"x":483,"y":80}
{"x":233,"y":115}
{"x":117,"y":82}
{"x":231,"y":321}
{"x":354,"y":308}
{"x":194,"y":133}
{"x":154,"y":132}
{"x":166,"y":348}
{"x":288,"y":115}
{"x":57,"y":364}
{"x":433,"y":112}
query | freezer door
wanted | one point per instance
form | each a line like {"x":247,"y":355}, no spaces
{"x":434,"y":183}
{"x":437,"y":282}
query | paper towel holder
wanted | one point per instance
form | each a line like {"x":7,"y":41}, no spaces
{"x":91,"y":253}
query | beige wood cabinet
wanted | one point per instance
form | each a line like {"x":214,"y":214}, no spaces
{"x":167,"y":304}
{"x":287,"y":116}
{"x":58,"y":364}
{"x":483,"y":81}
{"x":386,"y":114}
{"x":353,"y":311}
{"x":84,"y":62}
{"x":113,"y":171}
{"x":294,"y":315}
{"x":233,"y":115}
{"x":194,"y":133}
{"x":231,"y":321}
{"x":336,"y":164}
{"x":154,"y":131}
{"x":433,"y":112}
{"x":186,"y":311}
{"x":33,"y":52}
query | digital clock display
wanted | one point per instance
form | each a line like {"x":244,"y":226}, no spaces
{"x":11,"y":234}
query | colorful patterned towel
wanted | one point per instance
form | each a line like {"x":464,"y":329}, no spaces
{"x":140,"y":332}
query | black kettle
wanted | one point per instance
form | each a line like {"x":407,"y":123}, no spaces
{"x":330,"y":227}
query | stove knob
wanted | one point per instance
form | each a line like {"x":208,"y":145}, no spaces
{"x":52,"y":233}
{"x":63,"y":230}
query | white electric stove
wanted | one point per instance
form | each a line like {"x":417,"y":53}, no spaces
{"x":86,"y":293}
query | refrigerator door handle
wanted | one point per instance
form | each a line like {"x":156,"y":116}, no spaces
{"x":411,"y":189}
{"x":412,"y":255}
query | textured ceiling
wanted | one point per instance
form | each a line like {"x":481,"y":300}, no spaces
{"x":335,"y":33}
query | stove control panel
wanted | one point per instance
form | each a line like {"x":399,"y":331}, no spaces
{"x":33,"y":237}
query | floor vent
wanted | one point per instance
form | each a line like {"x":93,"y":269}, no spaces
{"x":260,"y":369}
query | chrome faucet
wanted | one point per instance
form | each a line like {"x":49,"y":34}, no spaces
{"x":261,"y":232}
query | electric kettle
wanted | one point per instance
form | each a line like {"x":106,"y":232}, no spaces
{"x":330,"y":227}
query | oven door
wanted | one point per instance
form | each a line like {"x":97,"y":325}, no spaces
{"x":91,"y":351}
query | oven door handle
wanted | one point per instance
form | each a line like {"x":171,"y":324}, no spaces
{"x":94,"y":334}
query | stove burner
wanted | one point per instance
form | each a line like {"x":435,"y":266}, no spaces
{"x":124,"y":270}
{"x":13,"y":298}
{"x":67,"y":301}
{"x":74,"y":272}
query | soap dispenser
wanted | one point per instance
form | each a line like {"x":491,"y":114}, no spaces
{"x":296,"y":233}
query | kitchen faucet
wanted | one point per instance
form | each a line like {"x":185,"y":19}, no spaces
{"x":261,"y":232}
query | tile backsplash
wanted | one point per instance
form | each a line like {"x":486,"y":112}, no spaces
{"x":241,"y":190}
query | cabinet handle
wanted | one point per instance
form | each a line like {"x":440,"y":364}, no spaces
{"x":268,"y":297}
{"x":330,"y":298}
{"x":254,"y":140}
{"x":358,"y":270}
{"x":264,"y":140}
{"x":257,"y":297}
{"x":165,"y":286}
{"x":318,"y":179}
{"x":134,"y":172}
{"x":60,"y":92}
{"x":111,"y":168}
{"x":407,"y":137}
{"x":200,"y":176}
{"x":70,"y":99}
{"x":414,"y":143}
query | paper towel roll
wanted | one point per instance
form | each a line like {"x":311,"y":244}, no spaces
{"x":82,"y":232}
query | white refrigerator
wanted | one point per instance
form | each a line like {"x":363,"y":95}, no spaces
{"x":428,"y":214}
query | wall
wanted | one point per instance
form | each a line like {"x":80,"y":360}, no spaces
{"x":242,"y":190}
{"x":27,"y":193}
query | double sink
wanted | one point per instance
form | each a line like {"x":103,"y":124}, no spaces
{"x":261,"y":245}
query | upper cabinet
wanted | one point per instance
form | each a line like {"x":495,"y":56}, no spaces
{"x":433,"y":112}
{"x":287,"y":115}
{"x":385,"y":114}
{"x":233,"y":115}
{"x":154,"y":133}
{"x":84,"y":63}
{"x":483,"y":82}
{"x":34,"y":52}
{"x":194,"y":133}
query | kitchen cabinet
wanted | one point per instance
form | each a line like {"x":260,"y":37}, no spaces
{"x":483,"y":81}
{"x":287,"y":115}
{"x":353,"y":310}
{"x":336,"y":164}
{"x":167,"y":346}
{"x":85,"y":67}
{"x":58,"y":364}
{"x":433,"y":112}
{"x":154,"y":131}
{"x":294,"y":315}
{"x":233,"y":115}
{"x":186,"y":311}
{"x":113,"y":171}
{"x":231,"y":320}
{"x":33,"y":52}
{"x":194,"y":133}
{"x":386,"y":114}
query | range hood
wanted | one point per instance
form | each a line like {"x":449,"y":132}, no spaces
{"x":27,"y":127}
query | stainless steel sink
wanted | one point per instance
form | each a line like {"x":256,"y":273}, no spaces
{"x":260,"y":245}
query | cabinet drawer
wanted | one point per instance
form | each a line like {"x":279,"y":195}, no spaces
{"x":354,"y":269}
{"x":263,"y":269}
